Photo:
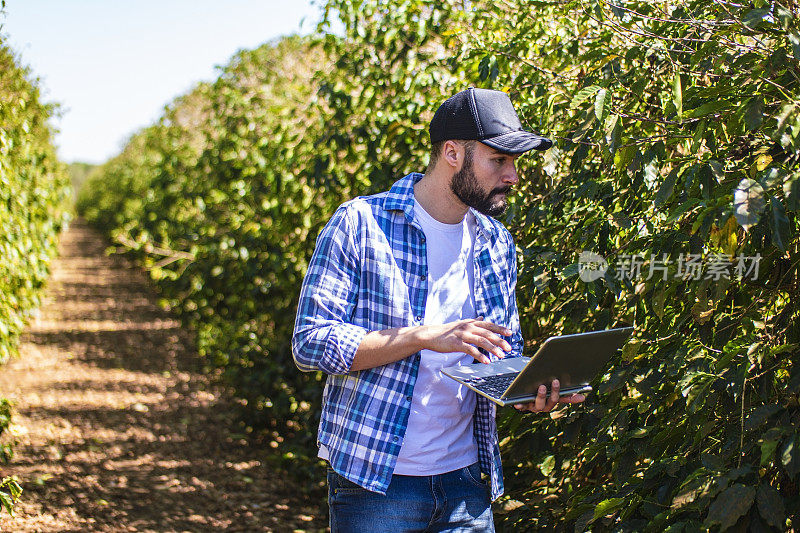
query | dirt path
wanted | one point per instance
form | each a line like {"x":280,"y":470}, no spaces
{"x":116,"y":428}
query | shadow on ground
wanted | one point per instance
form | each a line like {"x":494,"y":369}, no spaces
{"x":117,"y":429}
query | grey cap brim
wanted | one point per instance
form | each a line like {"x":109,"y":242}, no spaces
{"x":517,"y":142}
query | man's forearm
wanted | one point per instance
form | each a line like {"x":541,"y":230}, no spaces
{"x":467,"y":335}
{"x":387,"y":346}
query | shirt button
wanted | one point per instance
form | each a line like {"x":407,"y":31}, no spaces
{"x":408,"y":398}
{"x":422,"y":240}
{"x":395,"y":438}
{"x":418,"y":318}
{"x":422,"y":277}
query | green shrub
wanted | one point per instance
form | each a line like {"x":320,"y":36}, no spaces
{"x":34,"y":195}
{"x":9,"y":487}
{"x":676,"y":129}
{"x":212,"y":200}
{"x":33,"y":199}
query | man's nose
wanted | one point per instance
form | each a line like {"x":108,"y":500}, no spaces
{"x":510,"y":176}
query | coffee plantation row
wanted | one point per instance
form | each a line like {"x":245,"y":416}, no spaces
{"x":675,"y":172}
{"x":34,"y":192}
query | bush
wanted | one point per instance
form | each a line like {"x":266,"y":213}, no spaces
{"x":676,"y":129}
{"x":212,"y":200}
{"x":33,"y":210}
{"x":33,"y":199}
{"x":9,"y":488}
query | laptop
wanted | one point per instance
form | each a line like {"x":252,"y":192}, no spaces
{"x":574,"y":359}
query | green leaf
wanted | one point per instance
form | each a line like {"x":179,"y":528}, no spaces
{"x":677,"y":95}
{"x":618,"y":11}
{"x":698,"y":134}
{"x":748,"y":201}
{"x":791,"y":189}
{"x":551,"y":160}
{"x":772,"y":178}
{"x":779,"y":224}
{"x":610,"y":125}
{"x":730,"y":505}
{"x":787,"y":110}
{"x":784,"y":16}
{"x":716,"y":169}
{"x":615,"y":133}
{"x":708,"y":108}
{"x":768,"y":447}
{"x":794,"y":40}
{"x":623,"y":157}
{"x":582,"y":95}
{"x":6,"y":502}
{"x":602,"y":104}
{"x":651,"y":174}
{"x":659,"y":301}
{"x":694,"y":387}
{"x":578,"y":156}
{"x":754,"y":18}
{"x":15,"y":488}
{"x":548,"y":465}
{"x":630,"y":350}
{"x":770,"y":506}
{"x":485,"y":66}
{"x":790,"y":456}
{"x":695,"y":485}
{"x":665,"y":191}
{"x":607,"y":507}
{"x":570,"y":271}
{"x":760,"y":415}
{"x":754,"y":115}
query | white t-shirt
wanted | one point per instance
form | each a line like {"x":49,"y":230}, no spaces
{"x":440,"y":436}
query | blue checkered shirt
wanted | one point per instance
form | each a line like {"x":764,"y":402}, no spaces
{"x":369,"y":272}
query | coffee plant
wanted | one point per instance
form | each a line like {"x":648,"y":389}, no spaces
{"x":213,"y":201}
{"x":34,"y":194}
{"x":669,"y":202}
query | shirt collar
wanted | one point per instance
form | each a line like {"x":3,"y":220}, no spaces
{"x":401,"y":197}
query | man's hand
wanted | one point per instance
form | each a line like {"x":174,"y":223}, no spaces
{"x":389,"y":345}
{"x":467,"y":336}
{"x":542,"y":404}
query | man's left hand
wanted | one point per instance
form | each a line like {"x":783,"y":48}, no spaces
{"x":543,"y":404}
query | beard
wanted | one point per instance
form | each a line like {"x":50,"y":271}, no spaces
{"x":465,"y":186}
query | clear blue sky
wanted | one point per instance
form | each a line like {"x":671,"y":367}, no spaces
{"x":114,"y":64}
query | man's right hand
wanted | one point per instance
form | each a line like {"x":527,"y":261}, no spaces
{"x":467,"y":336}
{"x":386,"y":346}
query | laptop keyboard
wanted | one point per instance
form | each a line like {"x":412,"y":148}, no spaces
{"x":493,"y":385}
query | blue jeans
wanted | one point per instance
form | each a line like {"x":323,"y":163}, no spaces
{"x":454,"y":501}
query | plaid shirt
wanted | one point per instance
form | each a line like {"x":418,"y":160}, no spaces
{"x":368,"y":272}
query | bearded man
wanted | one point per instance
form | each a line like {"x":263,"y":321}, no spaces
{"x":402,"y":284}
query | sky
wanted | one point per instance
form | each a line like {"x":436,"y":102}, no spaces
{"x":113,"y":65}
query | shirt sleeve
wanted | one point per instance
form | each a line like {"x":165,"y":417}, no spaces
{"x":324,"y":339}
{"x":516,"y":340}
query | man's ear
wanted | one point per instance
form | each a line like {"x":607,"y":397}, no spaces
{"x":453,"y":153}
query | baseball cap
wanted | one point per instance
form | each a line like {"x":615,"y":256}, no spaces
{"x":487,"y":116}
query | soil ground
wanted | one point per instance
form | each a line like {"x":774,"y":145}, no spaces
{"x":118,"y":430}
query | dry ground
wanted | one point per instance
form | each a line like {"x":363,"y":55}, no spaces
{"x":117,"y":429}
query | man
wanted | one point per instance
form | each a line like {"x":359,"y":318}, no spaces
{"x":402,"y":284}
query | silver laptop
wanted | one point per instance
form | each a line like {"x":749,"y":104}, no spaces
{"x":574,"y":359}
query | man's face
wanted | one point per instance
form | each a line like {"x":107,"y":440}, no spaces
{"x":485,"y":179}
